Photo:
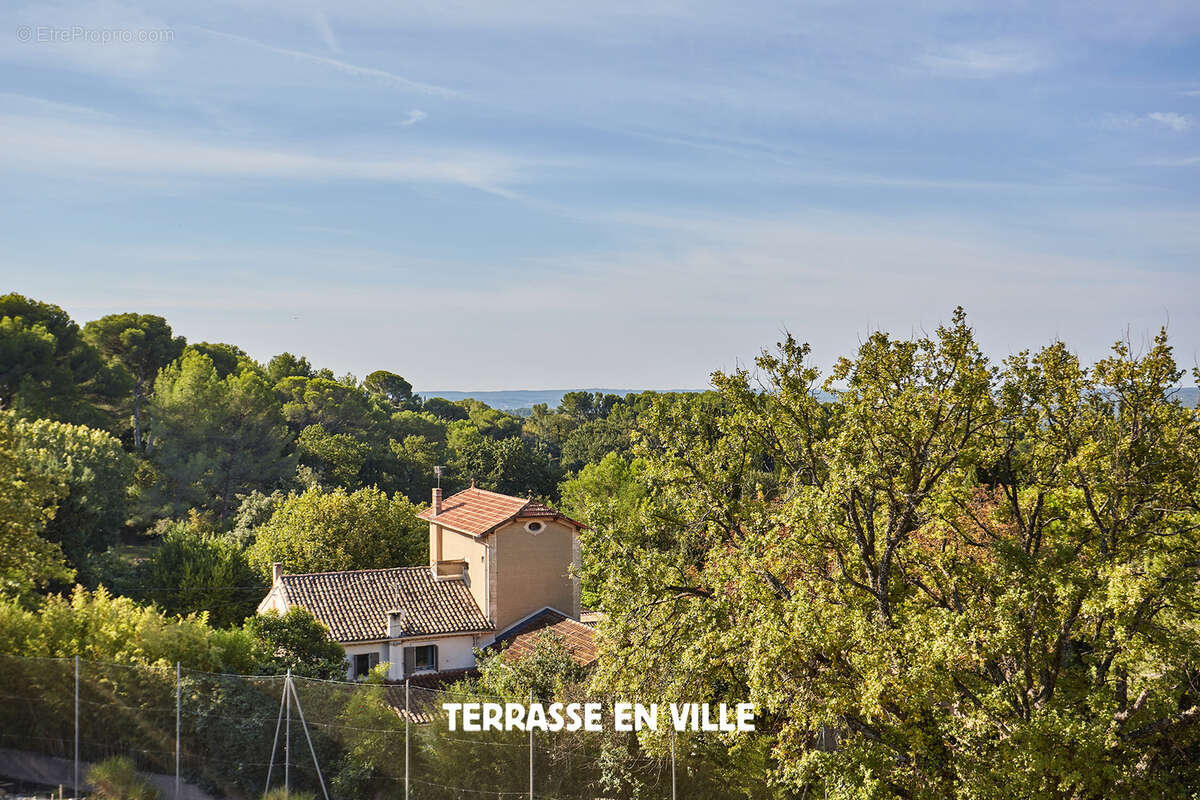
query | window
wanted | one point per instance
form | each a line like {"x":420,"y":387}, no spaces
{"x":534,"y":527}
{"x":364,"y":663}
{"x":420,"y":659}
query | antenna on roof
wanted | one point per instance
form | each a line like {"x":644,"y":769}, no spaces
{"x":437,"y":471}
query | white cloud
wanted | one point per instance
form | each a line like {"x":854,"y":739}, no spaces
{"x":344,"y":67}
{"x":1173,"y":120}
{"x":57,"y":145}
{"x":414,"y":116}
{"x":984,"y":60}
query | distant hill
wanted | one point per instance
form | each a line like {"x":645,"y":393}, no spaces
{"x":518,"y":399}
{"x":523,"y":399}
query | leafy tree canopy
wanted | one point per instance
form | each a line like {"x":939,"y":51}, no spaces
{"x":322,"y":531}
{"x":47,"y":369}
{"x":95,"y":473}
{"x":219,"y":438}
{"x":953,"y":580}
{"x":32,"y":482}
{"x":140,"y":343}
{"x":295,"y":641}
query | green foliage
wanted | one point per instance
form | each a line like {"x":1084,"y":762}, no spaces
{"x":391,"y":387}
{"x":226,"y":358}
{"x":336,"y":458}
{"x":193,"y":570}
{"x":609,"y":496}
{"x":286,"y":365}
{"x":321,"y":531}
{"x":339,"y":408}
{"x":116,"y":778}
{"x":32,"y":482}
{"x":295,"y":641}
{"x":101,"y":627}
{"x":96,"y":474}
{"x":513,"y":466}
{"x":218,"y":438}
{"x":444,"y":409}
{"x":48,"y":370}
{"x":952,"y":580}
{"x":141,"y":344}
{"x":279,"y":793}
{"x":546,"y":671}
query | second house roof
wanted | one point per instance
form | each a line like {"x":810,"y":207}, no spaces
{"x":478,"y":512}
{"x":354,"y":604}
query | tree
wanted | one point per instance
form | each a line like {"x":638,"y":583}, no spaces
{"x":390,"y":386}
{"x":193,"y":570}
{"x":96,"y":474}
{"x":545,"y":670}
{"x":948,"y":581}
{"x":48,"y":370}
{"x":444,"y":409}
{"x":321,"y":531}
{"x":286,"y":365}
{"x":337,"y":407}
{"x":219,"y":438}
{"x":31,"y":485}
{"x":100,"y":627}
{"x":226,"y":358}
{"x":609,"y":497}
{"x":336,"y":458}
{"x":295,"y":641}
{"x":142,"y":344}
{"x":512,"y":466}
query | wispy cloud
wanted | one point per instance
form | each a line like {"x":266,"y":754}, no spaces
{"x":984,"y":60}
{"x":57,"y":145}
{"x":414,"y":116}
{"x":23,"y":103}
{"x":321,"y":23}
{"x":1173,"y":120}
{"x":344,"y":67}
{"x":1185,"y":161}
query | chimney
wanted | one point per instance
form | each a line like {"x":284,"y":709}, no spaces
{"x":396,"y":619}
{"x":437,"y":500}
{"x":276,"y":573}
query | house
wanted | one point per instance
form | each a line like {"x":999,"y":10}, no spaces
{"x":501,"y":568}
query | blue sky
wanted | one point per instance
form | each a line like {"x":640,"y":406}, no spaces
{"x":486,"y":195}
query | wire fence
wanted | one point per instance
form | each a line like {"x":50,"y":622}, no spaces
{"x":237,"y":736}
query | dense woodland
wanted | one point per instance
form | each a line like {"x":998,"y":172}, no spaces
{"x":937,"y":575}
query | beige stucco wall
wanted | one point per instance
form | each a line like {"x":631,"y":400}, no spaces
{"x":460,"y":546}
{"x":532,"y":572}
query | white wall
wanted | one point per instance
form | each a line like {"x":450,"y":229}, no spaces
{"x":454,"y":652}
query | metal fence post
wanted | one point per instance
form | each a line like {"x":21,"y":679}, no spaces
{"x":531,"y":750}
{"x":77,"y":726}
{"x":178,"y":727}
{"x":407,"y":717}
{"x":287,"y":736}
{"x":672,"y":766}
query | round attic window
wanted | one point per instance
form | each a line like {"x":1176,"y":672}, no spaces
{"x":534,"y":527}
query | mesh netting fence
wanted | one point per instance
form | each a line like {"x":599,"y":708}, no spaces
{"x":236,"y":736}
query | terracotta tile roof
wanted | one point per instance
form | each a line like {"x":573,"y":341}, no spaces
{"x":478,"y":512}
{"x":354,"y":604}
{"x":590,"y":617}
{"x":519,"y":640}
